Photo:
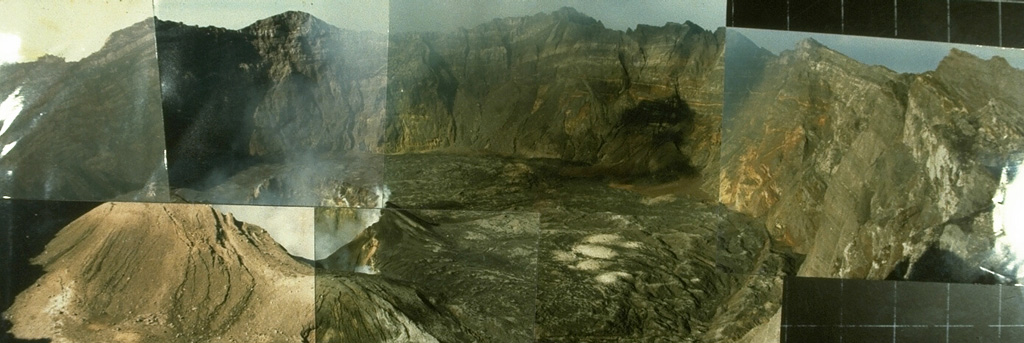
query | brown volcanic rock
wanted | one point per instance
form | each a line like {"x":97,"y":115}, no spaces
{"x":765,"y":136}
{"x":135,"y":272}
{"x":874,"y":174}
{"x":560,"y":85}
{"x":863,"y":169}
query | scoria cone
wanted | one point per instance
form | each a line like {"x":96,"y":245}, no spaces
{"x":133,"y":272}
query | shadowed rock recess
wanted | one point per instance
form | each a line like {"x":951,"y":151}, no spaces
{"x":85,"y":130}
{"x":874,"y":174}
{"x":561,"y":86}
{"x":609,"y":138}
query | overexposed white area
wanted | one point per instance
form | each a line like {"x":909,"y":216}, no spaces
{"x":449,"y":15}
{"x":1008,"y":215}
{"x":72,"y":29}
{"x":291,"y":227}
{"x":905,"y":56}
{"x":10,"y":48}
{"x":356,"y":15}
{"x":7,"y":148}
{"x":10,"y":109}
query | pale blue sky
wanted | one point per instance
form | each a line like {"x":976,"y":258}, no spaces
{"x":74,"y":29}
{"x":358,"y":15}
{"x":439,"y":15}
{"x":905,"y":56}
{"x":447,"y":15}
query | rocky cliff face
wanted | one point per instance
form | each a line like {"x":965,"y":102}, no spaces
{"x":290,"y":85}
{"x":444,"y":276}
{"x":86,"y":130}
{"x":556,"y":85}
{"x":561,"y":85}
{"x":868,"y":171}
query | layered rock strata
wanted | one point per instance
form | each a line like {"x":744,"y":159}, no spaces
{"x":137,"y":272}
{"x":845,"y":161}
{"x":562,"y":86}
{"x":286,"y":87}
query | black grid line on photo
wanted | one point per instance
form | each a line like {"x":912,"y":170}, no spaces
{"x":974,"y":22}
{"x":875,"y":18}
{"x":824,"y":16}
{"x":922,"y":20}
{"x":1012,"y":19}
{"x":984,"y":22}
{"x":836,"y":310}
{"x":761,"y":14}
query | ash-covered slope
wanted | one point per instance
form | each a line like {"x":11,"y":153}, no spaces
{"x":86,"y":130}
{"x":556,"y":85}
{"x":135,"y":272}
{"x":864,"y":169}
{"x":147,"y":272}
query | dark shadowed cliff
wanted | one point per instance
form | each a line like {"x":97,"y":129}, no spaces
{"x":284,"y":86}
{"x":555,"y":85}
{"x":85,"y":130}
{"x":562,"y":86}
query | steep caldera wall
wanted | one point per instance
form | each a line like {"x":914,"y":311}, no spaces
{"x":864,"y":169}
{"x":563,"y":86}
{"x":88,"y":129}
{"x":556,"y":85}
{"x":284,"y":86}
